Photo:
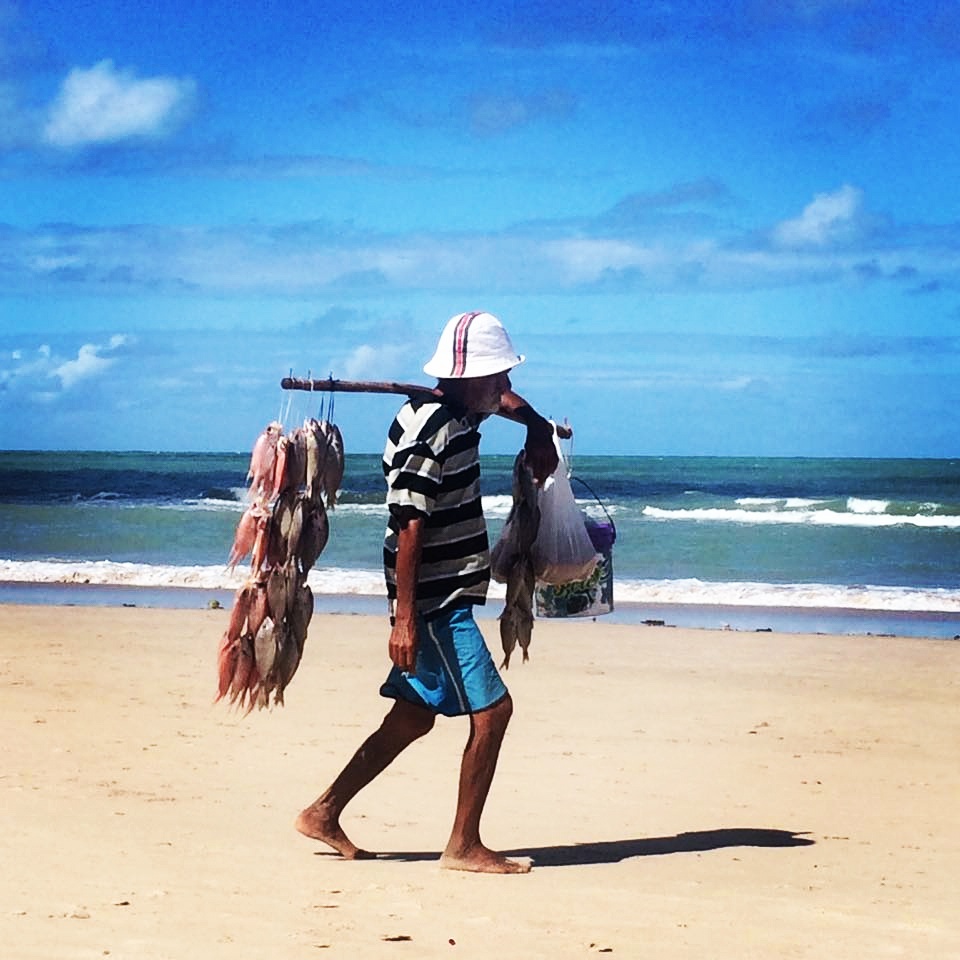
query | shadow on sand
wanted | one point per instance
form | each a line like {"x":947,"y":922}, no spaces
{"x":613,"y":851}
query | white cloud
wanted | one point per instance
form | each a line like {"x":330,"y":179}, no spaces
{"x":29,"y":368}
{"x":360,"y":362}
{"x":104,"y":104}
{"x":742,"y":383}
{"x":827,"y":218}
{"x":833,"y":238}
{"x":492,"y":114}
{"x":89,"y":363}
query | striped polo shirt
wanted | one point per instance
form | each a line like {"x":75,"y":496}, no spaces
{"x":432,"y":466}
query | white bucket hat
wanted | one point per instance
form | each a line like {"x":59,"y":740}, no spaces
{"x":472,"y":345}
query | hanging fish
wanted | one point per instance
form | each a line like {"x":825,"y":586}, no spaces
{"x":325,"y":460}
{"x":314,"y":535}
{"x":263,"y":463}
{"x":294,"y":479}
{"x":301,"y":611}
{"x":277,"y":593}
{"x":244,"y":678}
{"x":250,"y":527}
{"x":295,"y":473}
{"x":265,"y":655}
{"x":280,"y":464}
{"x":313,"y":472}
{"x":333,"y":463}
{"x":511,"y":561}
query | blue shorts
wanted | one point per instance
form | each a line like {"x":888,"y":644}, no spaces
{"x":455,"y":674}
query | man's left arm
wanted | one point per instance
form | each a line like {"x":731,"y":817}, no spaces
{"x":539,"y":448}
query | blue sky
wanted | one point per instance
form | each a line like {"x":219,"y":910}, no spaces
{"x":714,"y":228}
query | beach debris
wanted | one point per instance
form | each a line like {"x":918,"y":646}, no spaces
{"x":294,"y":480}
{"x":511,"y":562}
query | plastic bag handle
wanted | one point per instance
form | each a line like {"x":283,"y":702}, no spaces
{"x":599,"y":503}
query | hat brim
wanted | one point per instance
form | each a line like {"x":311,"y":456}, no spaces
{"x":441,"y":371}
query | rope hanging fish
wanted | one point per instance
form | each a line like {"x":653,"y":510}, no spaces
{"x":294,"y":479}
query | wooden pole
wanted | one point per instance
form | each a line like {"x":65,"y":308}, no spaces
{"x":330,"y":385}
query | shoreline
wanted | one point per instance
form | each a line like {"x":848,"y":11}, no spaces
{"x":736,"y":618}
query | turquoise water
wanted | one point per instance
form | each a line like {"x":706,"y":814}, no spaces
{"x":871,"y":534}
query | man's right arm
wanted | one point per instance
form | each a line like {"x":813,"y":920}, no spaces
{"x":403,"y":635}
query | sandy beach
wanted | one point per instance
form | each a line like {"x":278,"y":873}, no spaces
{"x":681,"y":793}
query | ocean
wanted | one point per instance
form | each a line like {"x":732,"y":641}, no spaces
{"x":832,"y":545}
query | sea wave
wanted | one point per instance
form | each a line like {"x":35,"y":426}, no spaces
{"x":339,"y":581}
{"x":206,"y":503}
{"x":327,"y":580}
{"x":854,"y":513}
{"x":494,"y":507}
{"x":821,"y":596}
{"x":790,"y":503}
{"x":860,"y":505}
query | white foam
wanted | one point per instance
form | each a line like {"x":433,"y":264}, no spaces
{"x":207,"y":503}
{"x":113,"y":573}
{"x":341,"y":581}
{"x":498,"y":506}
{"x":806,"y":595}
{"x":859,"y":505}
{"x":787,"y":503}
{"x":362,"y":509}
{"x":864,"y":518}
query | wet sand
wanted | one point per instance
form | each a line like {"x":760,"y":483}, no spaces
{"x":680,"y":792}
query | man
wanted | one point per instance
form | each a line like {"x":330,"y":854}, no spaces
{"x":437,"y":565}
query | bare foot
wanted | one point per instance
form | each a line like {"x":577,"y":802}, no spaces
{"x":316,"y":822}
{"x":479,"y":859}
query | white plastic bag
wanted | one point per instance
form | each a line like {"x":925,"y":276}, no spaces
{"x":562,"y":552}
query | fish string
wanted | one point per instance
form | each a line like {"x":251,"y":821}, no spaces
{"x":283,"y":414}
{"x":326,"y":403}
{"x":566,"y":448}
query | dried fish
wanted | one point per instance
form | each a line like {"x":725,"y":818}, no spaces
{"x":263,"y":462}
{"x":314,"y":535}
{"x":325,"y":460}
{"x":294,"y":479}
{"x":511,"y":562}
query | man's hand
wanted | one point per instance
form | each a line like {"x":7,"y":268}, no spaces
{"x":403,"y":643}
{"x":539,"y":451}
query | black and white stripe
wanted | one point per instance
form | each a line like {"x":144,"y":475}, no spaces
{"x":432,"y":466}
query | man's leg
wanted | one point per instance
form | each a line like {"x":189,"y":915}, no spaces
{"x":404,"y":723}
{"x":465,"y":850}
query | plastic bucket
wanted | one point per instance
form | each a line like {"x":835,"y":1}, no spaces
{"x":592,"y":597}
